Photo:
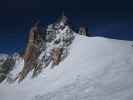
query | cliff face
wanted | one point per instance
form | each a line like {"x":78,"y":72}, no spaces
{"x":32,"y":52}
{"x":46,"y":46}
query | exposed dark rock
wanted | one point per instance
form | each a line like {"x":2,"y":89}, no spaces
{"x":6,"y":67}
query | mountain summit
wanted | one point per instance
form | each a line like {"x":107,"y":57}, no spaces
{"x":83,"y":68}
{"x":45,"y":47}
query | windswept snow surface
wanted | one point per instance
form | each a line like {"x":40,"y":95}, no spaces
{"x":96,"y":69}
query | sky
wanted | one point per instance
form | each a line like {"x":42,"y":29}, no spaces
{"x":113,"y":19}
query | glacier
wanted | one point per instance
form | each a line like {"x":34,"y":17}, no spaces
{"x":97,"y":68}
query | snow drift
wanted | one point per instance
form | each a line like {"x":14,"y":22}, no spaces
{"x":96,"y":69}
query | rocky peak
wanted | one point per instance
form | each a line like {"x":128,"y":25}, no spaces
{"x":82,"y":31}
{"x":53,"y":49}
{"x":45,"y":47}
{"x":61,"y":22}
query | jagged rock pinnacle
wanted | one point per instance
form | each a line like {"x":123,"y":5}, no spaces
{"x":46,"y":48}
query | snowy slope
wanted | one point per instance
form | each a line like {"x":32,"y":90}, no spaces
{"x":96,"y":69}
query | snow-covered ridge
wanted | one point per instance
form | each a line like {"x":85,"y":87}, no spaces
{"x":97,"y":69}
